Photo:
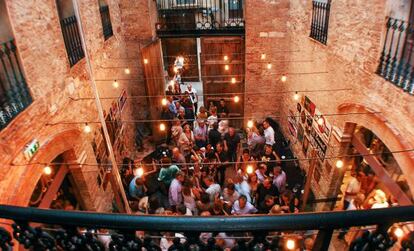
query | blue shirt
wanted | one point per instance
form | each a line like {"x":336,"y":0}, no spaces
{"x":134,"y":191}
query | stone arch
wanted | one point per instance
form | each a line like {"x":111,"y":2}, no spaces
{"x":23,"y":179}
{"x":388,"y":134}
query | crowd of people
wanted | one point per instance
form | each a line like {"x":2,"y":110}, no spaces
{"x":203,"y":170}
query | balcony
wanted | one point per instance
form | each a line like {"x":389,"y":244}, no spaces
{"x":397,"y":59}
{"x":14,"y":94}
{"x":200,"y":17}
{"x":41,"y":229}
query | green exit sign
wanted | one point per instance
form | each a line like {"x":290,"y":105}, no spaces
{"x":31,"y":149}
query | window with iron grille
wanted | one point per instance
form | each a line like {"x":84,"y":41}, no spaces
{"x":106,"y":22}
{"x":396,"y":63}
{"x":70,"y":31}
{"x":320,"y":20}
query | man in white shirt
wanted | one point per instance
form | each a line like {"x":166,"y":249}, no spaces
{"x":269,"y":133}
{"x":242,"y":206}
{"x":193,"y":96}
{"x":213,"y":189}
{"x":174,"y":193}
{"x":279,"y":179}
{"x":242,"y":187}
{"x":352,"y":189}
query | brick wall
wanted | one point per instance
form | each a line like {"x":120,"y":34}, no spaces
{"x":350,"y":58}
{"x":51,"y":81}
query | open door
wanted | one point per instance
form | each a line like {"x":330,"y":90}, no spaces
{"x":222,"y":67}
{"x":155,"y":84}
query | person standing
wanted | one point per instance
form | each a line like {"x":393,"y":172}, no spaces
{"x":222,"y":159}
{"x":279,"y":179}
{"x":193,"y":95}
{"x":231,"y":144}
{"x":242,"y":206}
{"x":174,"y":193}
{"x":269,"y":133}
{"x":352,"y":189}
{"x":222,"y":109}
{"x":200,"y":134}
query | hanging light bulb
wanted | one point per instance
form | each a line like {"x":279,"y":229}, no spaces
{"x":233,"y":80}
{"x":115,"y":84}
{"x":162,"y":127}
{"x":320,"y":121}
{"x":145,"y":61}
{"x":127,"y":71}
{"x":226,"y":58}
{"x":290,"y":244}
{"x":398,"y":232}
{"x":263,"y":56}
{"x":87,"y":128}
{"x":269,"y":66}
{"x":283,"y":78}
{"x":226,"y":67}
{"x":236,"y":99}
{"x":250,"y":123}
{"x":164,"y":101}
{"x":172,"y":82}
{"x":47,"y":170}
{"x":139,"y":172}
{"x":249,"y":169}
{"x":296,"y":96}
{"x":339,"y":163}
{"x":175,"y":70}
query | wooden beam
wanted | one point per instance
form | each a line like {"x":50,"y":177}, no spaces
{"x":381,"y":173}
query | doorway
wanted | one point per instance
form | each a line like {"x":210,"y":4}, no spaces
{"x":56,"y":188}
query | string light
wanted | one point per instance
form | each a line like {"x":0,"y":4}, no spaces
{"x":263,"y":56}
{"x":115,"y":84}
{"x":145,"y":61}
{"x":250,"y":123}
{"x":233,"y":80}
{"x":172,"y":82}
{"x":175,"y":70}
{"x":236,"y":99}
{"x":87,"y":128}
{"x":127,"y":71}
{"x":225,"y":58}
{"x":164,"y":102}
{"x":162,"y":127}
{"x":321,"y":121}
{"x":283,"y":78}
{"x":249,"y":169}
{"x":226,"y":67}
{"x":296,"y":96}
{"x":398,"y":232}
{"x":269,"y":66}
{"x":339,"y":164}
{"x":47,"y":170}
{"x":139,"y":172}
{"x":290,"y":244}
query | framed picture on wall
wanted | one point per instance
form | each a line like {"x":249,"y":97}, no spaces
{"x":300,"y":133}
{"x":305,"y":145}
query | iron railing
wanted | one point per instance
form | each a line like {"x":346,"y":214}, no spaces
{"x":320,"y":20}
{"x":194,"y":17}
{"x":71,"y":36}
{"x":41,"y":229}
{"x":397,"y":61}
{"x":14,"y":93}
{"x":106,"y":22}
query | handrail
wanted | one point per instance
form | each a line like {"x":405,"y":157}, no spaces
{"x":253,"y":223}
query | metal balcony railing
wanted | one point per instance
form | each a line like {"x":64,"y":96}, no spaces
{"x":14,"y":94}
{"x":194,"y":17}
{"x":71,"y":36}
{"x":106,"y":22}
{"x":397,"y":60}
{"x":40,"y":229}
